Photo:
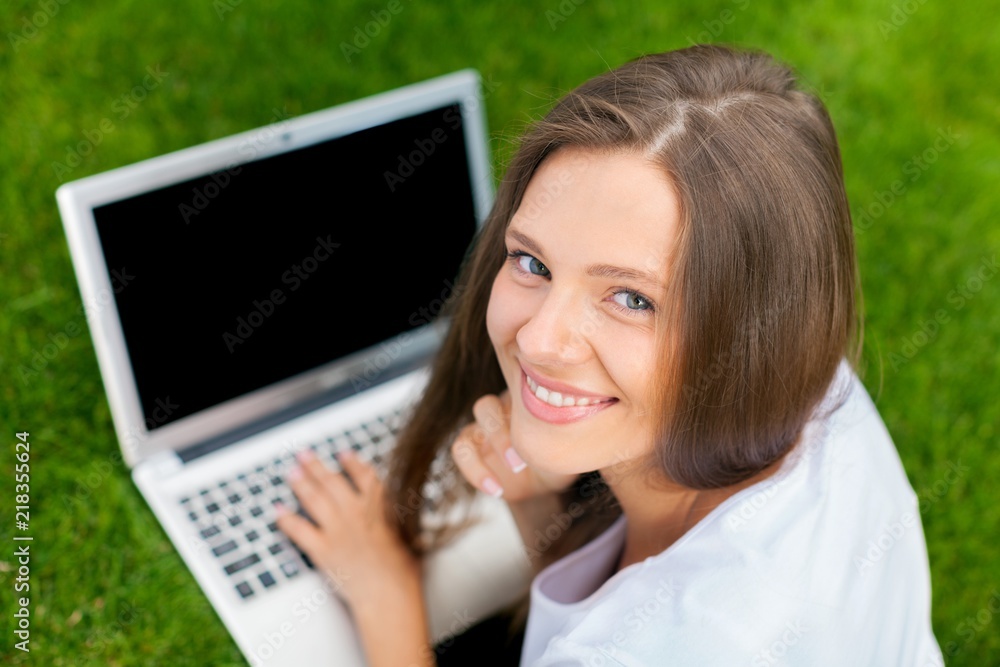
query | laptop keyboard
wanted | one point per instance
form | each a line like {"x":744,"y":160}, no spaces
{"x":236,"y":522}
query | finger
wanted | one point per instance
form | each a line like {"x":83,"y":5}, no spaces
{"x":493,"y":414}
{"x":490,"y":415}
{"x":505,"y":402}
{"x":302,"y":532}
{"x":468,"y":460}
{"x":338,"y":488}
{"x":362,"y":474}
{"x":312,"y":494}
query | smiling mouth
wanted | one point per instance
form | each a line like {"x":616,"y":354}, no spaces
{"x":561,"y":400}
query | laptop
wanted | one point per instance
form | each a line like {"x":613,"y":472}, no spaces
{"x":234,"y":292}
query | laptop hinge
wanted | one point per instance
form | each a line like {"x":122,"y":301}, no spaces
{"x":163,"y":464}
{"x":341,"y":391}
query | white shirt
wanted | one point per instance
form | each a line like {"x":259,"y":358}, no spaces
{"x":823,"y":563}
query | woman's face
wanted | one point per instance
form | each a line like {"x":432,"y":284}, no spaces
{"x":571,"y":315}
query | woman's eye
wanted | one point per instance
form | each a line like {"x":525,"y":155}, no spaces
{"x":633,"y":300}
{"x":529,"y":264}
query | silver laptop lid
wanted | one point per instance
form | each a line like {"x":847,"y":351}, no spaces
{"x":226,"y":282}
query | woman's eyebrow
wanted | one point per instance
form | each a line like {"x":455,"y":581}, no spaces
{"x":525,"y":241}
{"x":622,"y":273}
{"x":595,"y":270}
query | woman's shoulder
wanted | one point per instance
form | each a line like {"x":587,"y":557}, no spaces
{"x":826,"y":557}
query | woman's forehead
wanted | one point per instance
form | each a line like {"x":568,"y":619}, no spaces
{"x":593,"y":208}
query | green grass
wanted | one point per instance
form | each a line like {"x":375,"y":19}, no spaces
{"x":108,"y":588}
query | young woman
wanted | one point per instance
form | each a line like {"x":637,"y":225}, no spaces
{"x":656,"y":335}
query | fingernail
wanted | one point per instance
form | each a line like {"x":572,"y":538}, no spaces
{"x":295,"y":474}
{"x":280,"y":509}
{"x":345,"y":454}
{"x":491,"y":487}
{"x":515,"y":462}
{"x":305,"y":455}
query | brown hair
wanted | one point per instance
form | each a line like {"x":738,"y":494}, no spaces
{"x":761,"y":303}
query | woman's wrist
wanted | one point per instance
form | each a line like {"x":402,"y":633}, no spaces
{"x":392,"y":624}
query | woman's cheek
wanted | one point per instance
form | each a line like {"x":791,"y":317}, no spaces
{"x":505,"y":313}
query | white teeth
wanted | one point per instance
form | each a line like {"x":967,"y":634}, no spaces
{"x":556,"y":399}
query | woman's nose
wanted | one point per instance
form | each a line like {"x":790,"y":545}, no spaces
{"x":559,"y":331}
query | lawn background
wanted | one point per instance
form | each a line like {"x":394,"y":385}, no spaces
{"x":108,"y":588}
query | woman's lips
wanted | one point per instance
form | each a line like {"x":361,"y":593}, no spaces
{"x":583,"y":404}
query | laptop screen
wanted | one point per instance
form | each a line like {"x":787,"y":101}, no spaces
{"x":255,"y":274}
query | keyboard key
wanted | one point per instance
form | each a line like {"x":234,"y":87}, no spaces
{"x":276,"y":548}
{"x":290,"y":569}
{"x":210,"y":531}
{"x":193,"y":516}
{"x":235,"y":520}
{"x":273,"y":526}
{"x":252,"y":535}
{"x":212,"y":507}
{"x":235,"y":498}
{"x":242,"y":564}
{"x":255,"y":490}
{"x":224,"y":548}
{"x":256,"y":511}
{"x":244,"y":590}
{"x":267,"y":579}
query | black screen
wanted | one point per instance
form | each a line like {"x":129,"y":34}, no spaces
{"x":228,"y":283}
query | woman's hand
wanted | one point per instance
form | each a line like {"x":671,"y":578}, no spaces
{"x":354,"y":542}
{"x":484,"y":454}
{"x":351,"y":540}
